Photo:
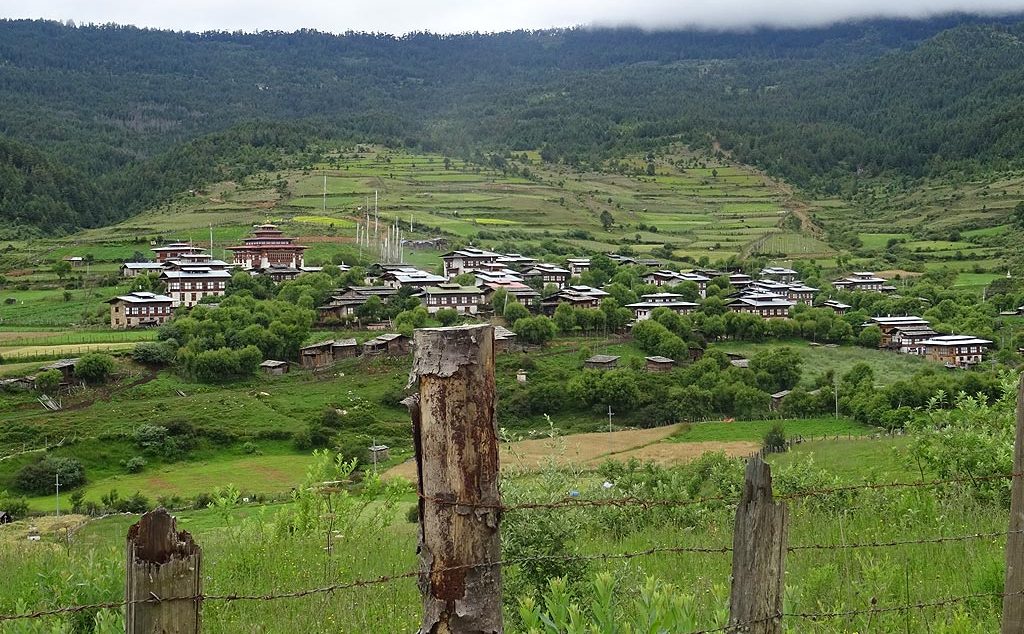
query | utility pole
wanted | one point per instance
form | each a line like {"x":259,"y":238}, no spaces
{"x":58,"y":495}
{"x":610,"y":414}
{"x":835,"y":389}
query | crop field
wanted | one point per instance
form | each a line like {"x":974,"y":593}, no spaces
{"x":955,"y":223}
{"x":888,"y":366}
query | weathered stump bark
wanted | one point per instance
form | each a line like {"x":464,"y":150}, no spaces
{"x":162,"y":564}
{"x":456,"y":439}
{"x":758,"y":556}
{"x":1013,"y":601}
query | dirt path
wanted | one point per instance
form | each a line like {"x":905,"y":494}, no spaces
{"x":589,"y":450}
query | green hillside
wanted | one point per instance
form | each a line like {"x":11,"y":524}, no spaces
{"x":828,"y":109}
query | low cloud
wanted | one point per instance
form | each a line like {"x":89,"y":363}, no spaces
{"x":456,"y":16}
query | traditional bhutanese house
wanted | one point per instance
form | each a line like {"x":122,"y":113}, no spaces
{"x":649,"y":303}
{"x":516,"y":261}
{"x":174,"y":250}
{"x":465,"y":300}
{"x":659,"y":364}
{"x":700,"y":280}
{"x":621,"y":260}
{"x":278,"y":273}
{"x":390,"y":344}
{"x":410,"y":276}
{"x":767,"y":305}
{"x":188,"y":285}
{"x":650,"y":263}
{"x":504,"y":339}
{"x":738,"y":280}
{"x":462,"y":260}
{"x":863,"y":281}
{"x":837,"y":307}
{"x":317,"y":355}
{"x":777,"y":399}
{"x":910,"y":339}
{"x":268,"y":246}
{"x":575,"y":296}
{"x":135,"y":269}
{"x":66,"y":367}
{"x":343,"y":304}
{"x":794,"y":291}
{"x":601,"y":362}
{"x":500,"y":276}
{"x":75,"y":261}
{"x":197,"y":258}
{"x":344,"y":349}
{"x":959,"y":351}
{"x":801,"y":293}
{"x":548,"y":274}
{"x":274,"y":368}
{"x":779,"y":274}
{"x":889,"y":324}
{"x":577,"y":266}
{"x":139,"y":309}
{"x":523,"y":293}
{"x":663,"y":278}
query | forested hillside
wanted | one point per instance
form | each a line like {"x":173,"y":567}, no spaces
{"x":108,"y":112}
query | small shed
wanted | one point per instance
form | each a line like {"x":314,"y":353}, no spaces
{"x":271,"y":366}
{"x":379,"y":453}
{"x":504,"y":339}
{"x":344,"y":348}
{"x":65,"y":366}
{"x":521,"y":376}
{"x":740,"y":363}
{"x":317,"y":355}
{"x":601,"y":362}
{"x":5,"y":517}
{"x":777,"y":399}
{"x":391,"y":344}
{"x":659,"y":364}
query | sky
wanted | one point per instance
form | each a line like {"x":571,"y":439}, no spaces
{"x":457,"y":16}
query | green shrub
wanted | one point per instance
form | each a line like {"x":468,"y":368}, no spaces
{"x":135,"y":465}
{"x":94,"y":367}
{"x":48,"y":382}
{"x":775,"y":439}
{"x":39,"y":477}
{"x":16,"y":506}
{"x":250,"y":448}
{"x":155,"y":352}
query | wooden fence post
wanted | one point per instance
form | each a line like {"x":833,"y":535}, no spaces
{"x":1013,"y":600}
{"x":162,"y":563}
{"x":456,"y":439}
{"x":758,"y":555}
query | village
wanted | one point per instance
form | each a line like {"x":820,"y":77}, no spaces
{"x":190,"y":276}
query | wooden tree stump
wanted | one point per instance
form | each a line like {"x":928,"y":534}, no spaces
{"x":1013,"y":601}
{"x":758,"y":555}
{"x":456,"y":439}
{"x":162,"y":564}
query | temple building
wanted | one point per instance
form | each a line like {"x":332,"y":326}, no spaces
{"x":268,"y":247}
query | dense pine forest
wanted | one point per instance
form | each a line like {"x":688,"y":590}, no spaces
{"x":99,"y":122}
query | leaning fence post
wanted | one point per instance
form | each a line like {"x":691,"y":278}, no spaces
{"x":162,"y":564}
{"x":1013,"y":588}
{"x":456,"y":439}
{"x":758,"y":555}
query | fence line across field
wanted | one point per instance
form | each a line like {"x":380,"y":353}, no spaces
{"x":460,"y":512}
{"x":650,"y":503}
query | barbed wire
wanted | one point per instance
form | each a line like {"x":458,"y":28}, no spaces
{"x":232,"y":597}
{"x":921,"y":605}
{"x":905,"y":542}
{"x":652,"y":503}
